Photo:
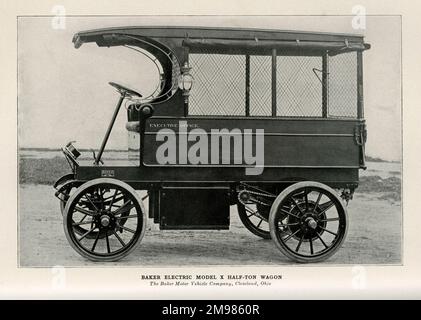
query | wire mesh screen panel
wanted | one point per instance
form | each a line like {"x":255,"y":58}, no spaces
{"x":260,"y":85}
{"x":299,"y":88}
{"x":219,"y":84}
{"x":343,"y":85}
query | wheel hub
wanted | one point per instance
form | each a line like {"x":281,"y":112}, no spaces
{"x":308,"y":222}
{"x":105,"y":221}
{"x":311,"y":223}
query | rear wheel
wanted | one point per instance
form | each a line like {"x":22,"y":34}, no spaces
{"x":114,"y":222}
{"x":308,"y":222}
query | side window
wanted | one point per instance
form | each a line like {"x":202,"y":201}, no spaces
{"x":260,"y":85}
{"x":343,"y":85}
{"x":219,"y":84}
{"x":298,"y":86}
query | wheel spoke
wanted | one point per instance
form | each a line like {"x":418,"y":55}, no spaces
{"x":81,"y":223}
{"x":119,"y":239}
{"x":311,"y":246}
{"x":83,"y":203}
{"x":92,"y":203}
{"x":299,"y":243}
{"x":252,"y":213}
{"x":289,"y":213}
{"x":84,"y":217}
{"x":145,"y":197}
{"x":127,"y":217}
{"x":127,"y":229}
{"x":335,"y":234}
{"x":87,"y":212}
{"x":108,"y":242}
{"x":325,"y":208}
{"x":258,"y":225}
{"x":117,"y":199}
{"x":85,"y":234}
{"x":330,"y":219}
{"x":306,"y":198}
{"x":317,"y":202}
{"x":249,"y":210}
{"x":124,"y":207}
{"x":95,"y":242}
{"x":296,"y":204}
{"x":101,"y":192}
{"x":288,"y":224}
{"x":110,"y":197}
{"x":298,"y":194}
{"x":290,"y":236}
{"x":320,"y":238}
{"x":113,"y":199}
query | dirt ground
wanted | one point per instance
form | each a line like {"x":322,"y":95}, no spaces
{"x":374,"y":237}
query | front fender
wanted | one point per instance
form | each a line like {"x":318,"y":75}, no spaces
{"x":62,"y":192}
{"x":63,"y":179}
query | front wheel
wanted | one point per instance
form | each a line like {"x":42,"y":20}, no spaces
{"x":116,"y":217}
{"x":308,"y":222}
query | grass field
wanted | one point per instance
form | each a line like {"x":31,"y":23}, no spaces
{"x":42,"y":171}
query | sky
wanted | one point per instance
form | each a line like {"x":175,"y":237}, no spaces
{"x":63,"y":92}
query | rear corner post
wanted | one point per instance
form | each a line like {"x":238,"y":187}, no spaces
{"x":360,"y":99}
{"x":360,"y":109}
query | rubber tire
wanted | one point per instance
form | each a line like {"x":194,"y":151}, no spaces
{"x":272,"y":216}
{"x":138,"y":237}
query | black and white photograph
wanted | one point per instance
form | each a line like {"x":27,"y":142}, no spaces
{"x":209,"y":140}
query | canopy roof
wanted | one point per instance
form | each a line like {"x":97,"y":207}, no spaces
{"x":212,"y":38}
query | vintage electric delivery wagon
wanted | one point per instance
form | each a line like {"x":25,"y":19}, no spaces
{"x":270,"y":121}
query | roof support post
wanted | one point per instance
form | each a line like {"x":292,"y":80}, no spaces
{"x":247,"y":85}
{"x":273,"y":82}
{"x":325,"y":85}
{"x":186,"y":53}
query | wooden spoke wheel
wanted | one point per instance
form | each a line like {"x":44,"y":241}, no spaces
{"x":114,"y":221}
{"x":308,"y":222}
{"x":96,"y":199}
